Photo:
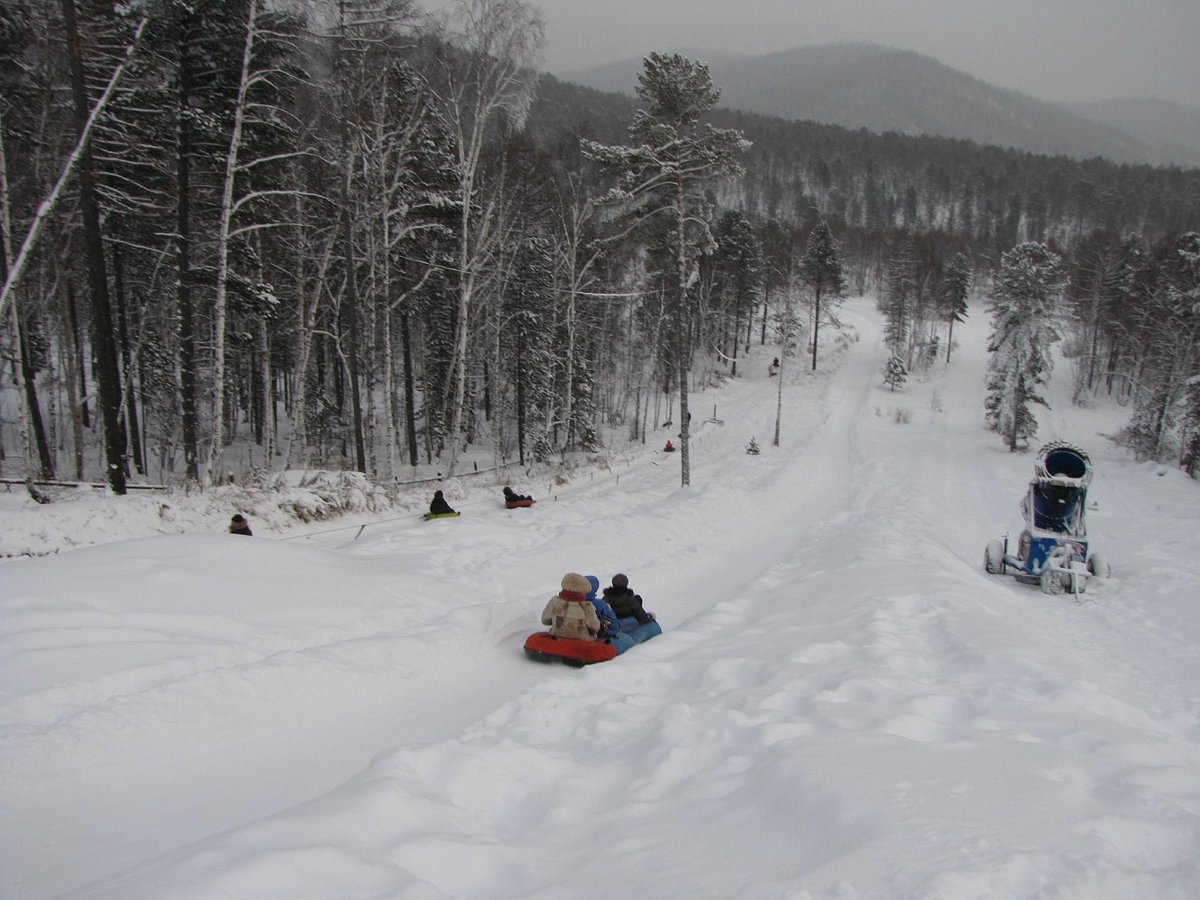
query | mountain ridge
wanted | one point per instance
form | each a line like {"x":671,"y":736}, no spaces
{"x":864,"y":85}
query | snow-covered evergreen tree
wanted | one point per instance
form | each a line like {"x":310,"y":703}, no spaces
{"x":529,"y":311}
{"x":1169,"y":355}
{"x":895,"y":373}
{"x":899,"y":291}
{"x":739,"y":268}
{"x":1024,"y":307}
{"x":821,"y":272}
{"x":956,"y":288}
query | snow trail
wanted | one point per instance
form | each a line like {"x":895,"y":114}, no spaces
{"x":841,"y":704}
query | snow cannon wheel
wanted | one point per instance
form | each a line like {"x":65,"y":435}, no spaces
{"x":1098,"y":565}
{"x":993,"y":558}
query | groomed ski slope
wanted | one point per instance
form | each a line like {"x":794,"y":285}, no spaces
{"x":842,"y":703}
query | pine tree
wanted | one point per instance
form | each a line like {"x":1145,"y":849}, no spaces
{"x":778,"y":262}
{"x":528,"y":313}
{"x":895,"y":373}
{"x":821,"y":272}
{"x":1169,"y":353}
{"x":739,"y":265}
{"x":1026,"y":301}
{"x":672,"y":157}
{"x":899,"y":300}
{"x":956,"y":288}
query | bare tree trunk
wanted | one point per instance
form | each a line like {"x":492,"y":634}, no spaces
{"x":108,"y":373}
{"x":188,"y":402}
{"x":217,"y":446}
{"x":410,"y":420}
{"x":27,"y":395}
{"x":130,"y":407}
{"x":308,"y":319}
{"x":681,"y":355}
{"x":32,"y":412}
{"x":71,"y":355}
{"x":816,"y":323}
{"x":779,"y":394}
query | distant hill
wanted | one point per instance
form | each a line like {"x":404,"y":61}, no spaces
{"x":1172,"y":129}
{"x":861,"y":85}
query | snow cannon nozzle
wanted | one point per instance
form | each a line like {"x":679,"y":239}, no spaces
{"x":1063,"y":464}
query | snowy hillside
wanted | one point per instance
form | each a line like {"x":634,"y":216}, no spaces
{"x":842,"y":703}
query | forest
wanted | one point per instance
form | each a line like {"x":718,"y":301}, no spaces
{"x":345,"y":234}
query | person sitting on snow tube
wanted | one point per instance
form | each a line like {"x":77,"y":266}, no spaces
{"x":511,"y":496}
{"x":624,"y":602}
{"x":438,"y":506}
{"x":569,"y":613}
{"x":610,"y":622}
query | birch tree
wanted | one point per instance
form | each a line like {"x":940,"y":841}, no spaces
{"x":244,"y":190}
{"x":487,"y":81}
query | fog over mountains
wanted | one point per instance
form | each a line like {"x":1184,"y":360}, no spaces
{"x":862,"y":85}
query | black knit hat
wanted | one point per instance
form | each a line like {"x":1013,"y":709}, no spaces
{"x":620,"y":580}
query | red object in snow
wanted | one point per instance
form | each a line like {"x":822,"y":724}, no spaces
{"x":545,"y":646}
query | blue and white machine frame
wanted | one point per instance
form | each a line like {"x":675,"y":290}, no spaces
{"x":1053,"y":548}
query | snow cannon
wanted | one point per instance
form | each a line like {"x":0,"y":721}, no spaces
{"x":1053,"y":548}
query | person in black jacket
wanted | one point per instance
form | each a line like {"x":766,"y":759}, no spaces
{"x":624,"y":601}
{"x":511,"y":496}
{"x":438,"y":506}
{"x":239,"y":525}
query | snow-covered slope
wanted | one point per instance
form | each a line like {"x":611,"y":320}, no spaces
{"x":842,"y":703}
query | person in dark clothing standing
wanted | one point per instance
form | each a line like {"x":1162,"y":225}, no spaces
{"x":624,"y":601}
{"x":239,"y":525}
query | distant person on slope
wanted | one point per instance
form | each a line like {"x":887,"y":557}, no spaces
{"x":511,"y":496}
{"x":438,"y":505}
{"x":239,"y":525}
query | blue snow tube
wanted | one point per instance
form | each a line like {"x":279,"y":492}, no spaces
{"x":632,"y":633}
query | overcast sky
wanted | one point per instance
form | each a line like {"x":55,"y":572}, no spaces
{"x":1053,"y":49}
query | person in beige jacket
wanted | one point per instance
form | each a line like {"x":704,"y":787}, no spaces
{"x":569,"y":613}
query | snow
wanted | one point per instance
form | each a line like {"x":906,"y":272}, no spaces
{"x":842,"y":704}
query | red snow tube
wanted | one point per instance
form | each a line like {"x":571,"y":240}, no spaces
{"x":517,"y":504}
{"x":545,"y":646}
